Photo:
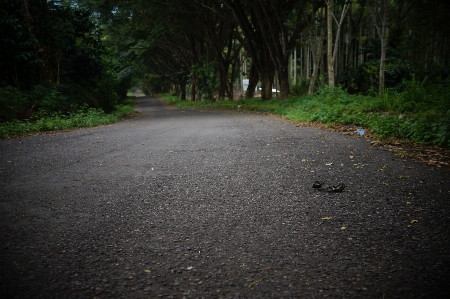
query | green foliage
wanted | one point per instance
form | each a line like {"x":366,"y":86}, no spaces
{"x":414,"y":97}
{"x":47,"y":99}
{"x":125,"y":107}
{"x":83,"y":70}
{"x":16,"y":46}
{"x":16,"y":104}
{"x":207,"y":77}
{"x":300,"y":88}
{"x":78,"y":117}
{"x":12,"y":104}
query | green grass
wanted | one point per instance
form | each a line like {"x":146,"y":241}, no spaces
{"x":78,"y":118}
{"x":412,"y":112}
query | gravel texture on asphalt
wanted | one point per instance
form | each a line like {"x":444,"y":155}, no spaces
{"x":207,"y":204}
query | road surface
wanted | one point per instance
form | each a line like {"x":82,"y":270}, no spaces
{"x":206,"y":204}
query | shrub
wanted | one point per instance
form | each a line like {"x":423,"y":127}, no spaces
{"x":300,"y":88}
{"x":13,"y":104}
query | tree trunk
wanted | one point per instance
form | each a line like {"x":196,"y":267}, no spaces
{"x":317,"y":47}
{"x":193,"y":88}
{"x":230,"y":82}
{"x":267,"y":75}
{"x":383,"y":44}
{"x":223,"y":75}
{"x":295,"y":66}
{"x":252,"y":82}
{"x":183,"y":88}
{"x":330,"y":60}
{"x":332,"y":53}
{"x":283,"y":79}
{"x":36,"y":17}
{"x":381,"y":30}
{"x":382,"y":65}
{"x":308,"y":61}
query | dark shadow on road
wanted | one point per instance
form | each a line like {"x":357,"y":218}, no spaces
{"x":148,"y":104}
{"x":152,"y":108}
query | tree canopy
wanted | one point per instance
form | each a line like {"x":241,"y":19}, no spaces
{"x":210,"y":46}
{"x":93,"y":51}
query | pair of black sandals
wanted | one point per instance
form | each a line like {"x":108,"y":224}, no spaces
{"x":320,"y":186}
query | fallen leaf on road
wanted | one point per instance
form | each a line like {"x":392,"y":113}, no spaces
{"x":147,"y":271}
{"x":414,"y":221}
{"x":343,"y":228}
{"x":254,"y":283}
{"x":326,"y":218}
{"x":382,"y":168}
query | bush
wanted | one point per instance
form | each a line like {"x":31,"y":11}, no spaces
{"x":41,"y":99}
{"x":300,"y":88}
{"x":79,"y":117}
{"x":13,"y":104}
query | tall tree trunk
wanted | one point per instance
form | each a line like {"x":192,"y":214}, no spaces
{"x":383,"y":44}
{"x":223,"y":75}
{"x":267,"y":73}
{"x":232,"y":79}
{"x":308,"y":61}
{"x":36,"y":17}
{"x":332,"y":53}
{"x":266,"y":88}
{"x":252,"y":82}
{"x":266,"y":82}
{"x":317,"y":50}
{"x":295,"y":66}
{"x":381,"y":28}
{"x":283,"y":78}
{"x":183,"y":88}
{"x":193,"y":88}
{"x":330,"y":61}
{"x":382,"y":62}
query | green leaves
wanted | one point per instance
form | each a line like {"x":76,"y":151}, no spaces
{"x":84,"y":117}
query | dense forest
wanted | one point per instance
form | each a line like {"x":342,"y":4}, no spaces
{"x":57,"y":55}
{"x":53,"y":58}
{"x":210,"y":46}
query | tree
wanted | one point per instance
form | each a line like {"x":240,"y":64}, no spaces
{"x":271,"y":29}
{"x":379,"y":13}
{"x":250,"y":36}
{"x":36,"y":17}
{"x":17,"y":52}
{"x":201,"y":40}
{"x":220,"y":39}
{"x":332,"y":50}
{"x":267,"y":42}
{"x":316,"y":48}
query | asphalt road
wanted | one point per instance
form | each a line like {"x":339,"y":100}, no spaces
{"x":206,"y":204}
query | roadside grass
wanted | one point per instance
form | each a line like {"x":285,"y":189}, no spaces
{"x":77,"y":118}
{"x":412,"y":112}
